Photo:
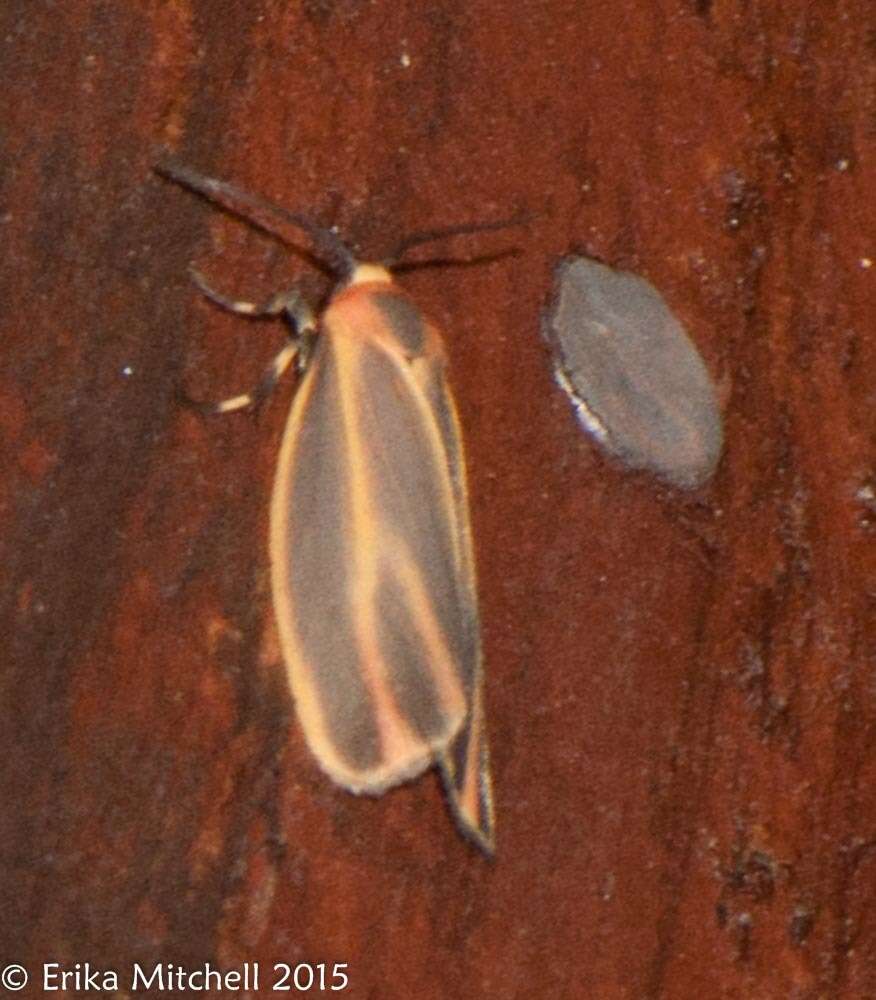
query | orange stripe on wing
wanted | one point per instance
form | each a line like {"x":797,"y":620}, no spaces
{"x":299,"y":668}
{"x":404,"y":753}
{"x":445,"y":672}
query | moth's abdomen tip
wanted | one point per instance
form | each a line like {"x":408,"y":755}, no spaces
{"x":484,"y":840}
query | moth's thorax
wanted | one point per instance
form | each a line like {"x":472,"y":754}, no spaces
{"x":372,"y":307}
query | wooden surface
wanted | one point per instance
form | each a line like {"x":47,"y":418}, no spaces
{"x":681,"y":688}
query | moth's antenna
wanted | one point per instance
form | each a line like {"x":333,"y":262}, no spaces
{"x":262,"y":214}
{"x":430,"y":235}
{"x":461,"y":262}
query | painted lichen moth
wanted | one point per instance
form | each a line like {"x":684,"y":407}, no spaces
{"x":370,"y":545}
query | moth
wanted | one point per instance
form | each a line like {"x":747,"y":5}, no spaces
{"x":372,"y":569}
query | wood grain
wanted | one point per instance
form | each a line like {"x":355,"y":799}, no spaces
{"x":680,"y":694}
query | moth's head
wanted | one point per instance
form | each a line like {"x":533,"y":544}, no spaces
{"x":363,"y":273}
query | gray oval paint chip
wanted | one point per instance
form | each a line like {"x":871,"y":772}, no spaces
{"x":637,"y":382}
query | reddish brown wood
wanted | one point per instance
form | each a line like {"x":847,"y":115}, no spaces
{"x":680,"y":687}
